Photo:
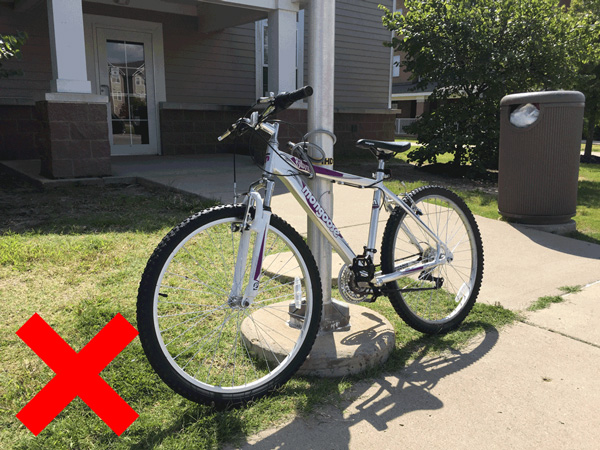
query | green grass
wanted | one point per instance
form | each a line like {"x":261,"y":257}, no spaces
{"x":485,"y":204}
{"x":479,"y":202}
{"x":588,"y":203}
{"x":570,"y":289}
{"x":75,"y":256}
{"x":415,"y":141}
{"x":595,"y":147}
{"x":545,"y":302}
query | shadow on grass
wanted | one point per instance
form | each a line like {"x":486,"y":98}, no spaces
{"x":452,"y":171}
{"x":588,"y":194}
{"x":91,"y":209}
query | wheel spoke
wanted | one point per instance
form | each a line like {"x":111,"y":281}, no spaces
{"x":438,"y":309}
{"x":196,"y":333}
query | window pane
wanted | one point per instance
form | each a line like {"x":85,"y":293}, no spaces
{"x":139,"y":132}
{"x":266,"y":45}
{"x":135,"y":54}
{"x":115,"y":53}
{"x":127,"y":79}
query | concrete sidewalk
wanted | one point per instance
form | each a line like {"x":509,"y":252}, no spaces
{"x":532,"y":385}
{"x":521,"y":388}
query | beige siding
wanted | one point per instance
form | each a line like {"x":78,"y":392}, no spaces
{"x":35,"y":62}
{"x":362,"y":62}
{"x":216,"y":68}
{"x":219,"y":68}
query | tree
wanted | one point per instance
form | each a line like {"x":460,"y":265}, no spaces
{"x":475,"y":52}
{"x":10,"y":47}
{"x":587,"y":15}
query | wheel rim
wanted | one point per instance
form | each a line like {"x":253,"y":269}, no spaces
{"x":206,"y":337}
{"x":450,"y":223}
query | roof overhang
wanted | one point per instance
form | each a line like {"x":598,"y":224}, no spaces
{"x":407,"y":96}
{"x":215,"y":15}
{"x":20,"y":5}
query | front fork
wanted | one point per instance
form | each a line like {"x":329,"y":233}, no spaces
{"x":256,"y":220}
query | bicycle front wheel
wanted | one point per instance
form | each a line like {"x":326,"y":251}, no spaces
{"x":205,"y":344}
{"x":436,"y":300}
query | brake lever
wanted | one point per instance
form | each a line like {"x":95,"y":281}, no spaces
{"x":225,"y":135}
{"x":268,"y":99}
{"x":235,"y":126}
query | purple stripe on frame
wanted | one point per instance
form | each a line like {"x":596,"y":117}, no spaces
{"x":260,"y":257}
{"x":326,"y":171}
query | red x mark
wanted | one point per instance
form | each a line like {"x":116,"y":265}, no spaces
{"x":77,"y":374}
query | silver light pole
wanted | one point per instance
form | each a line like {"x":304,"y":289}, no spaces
{"x":321,"y":66}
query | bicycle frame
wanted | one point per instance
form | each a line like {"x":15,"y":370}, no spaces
{"x":286,"y":168}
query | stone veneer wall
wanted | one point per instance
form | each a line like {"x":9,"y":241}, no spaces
{"x":19,"y":128}
{"x":73,"y":139}
{"x":350,"y":127}
{"x":195,"y":131}
{"x":188,"y":131}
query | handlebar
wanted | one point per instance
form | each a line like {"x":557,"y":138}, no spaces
{"x":287,"y":99}
{"x":277,"y":103}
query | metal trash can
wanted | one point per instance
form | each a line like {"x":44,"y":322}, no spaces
{"x":540,"y":146}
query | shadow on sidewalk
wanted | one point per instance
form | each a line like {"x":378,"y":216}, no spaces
{"x":376,"y":402}
{"x":562,"y":244}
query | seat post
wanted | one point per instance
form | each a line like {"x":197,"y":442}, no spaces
{"x":375,"y":210}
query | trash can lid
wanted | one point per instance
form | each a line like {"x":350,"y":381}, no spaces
{"x":543,"y":97}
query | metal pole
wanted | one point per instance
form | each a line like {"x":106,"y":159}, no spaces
{"x":321,"y":66}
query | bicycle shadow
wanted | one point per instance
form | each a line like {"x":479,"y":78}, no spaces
{"x":376,"y":402}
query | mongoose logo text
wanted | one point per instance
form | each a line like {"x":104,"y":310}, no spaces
{"x":319,"y":211}
{"x":301,"y":165}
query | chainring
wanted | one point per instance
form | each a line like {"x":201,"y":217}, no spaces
{"x":349,"y":289}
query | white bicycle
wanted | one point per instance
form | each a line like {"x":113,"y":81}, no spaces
{"x":230,"y":301}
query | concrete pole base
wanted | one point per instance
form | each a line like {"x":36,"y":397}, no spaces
{"x":367,"y":344}
{"x":336,"y":317}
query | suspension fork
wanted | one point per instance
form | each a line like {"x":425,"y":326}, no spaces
{"x":257,"y":222}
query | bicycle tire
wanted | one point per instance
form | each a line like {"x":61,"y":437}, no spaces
{"x":438,"y":300}
{"x":203,"y":345}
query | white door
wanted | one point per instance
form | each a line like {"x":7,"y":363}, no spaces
{"x":126,"y":75}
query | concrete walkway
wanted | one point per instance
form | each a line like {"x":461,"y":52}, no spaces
{"x":532,"y":385}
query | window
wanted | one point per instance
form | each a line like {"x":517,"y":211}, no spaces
{"x":262,"y":54}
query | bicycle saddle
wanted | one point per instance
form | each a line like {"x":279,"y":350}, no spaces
{"x":383,"y":148}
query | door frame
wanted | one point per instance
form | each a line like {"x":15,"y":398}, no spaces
{"x":91,"y":25}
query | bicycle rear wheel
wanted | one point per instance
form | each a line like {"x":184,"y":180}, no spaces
{"x":204,"y":344}
{"x":436,"y":300}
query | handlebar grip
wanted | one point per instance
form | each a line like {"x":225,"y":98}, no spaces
{"x":287,"y":99}
{"x":301,"y":93}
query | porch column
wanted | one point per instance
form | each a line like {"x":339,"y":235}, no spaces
{"x":67,"y":46}
{"x":282,"y":50}
{"x":420,"y":107}
{"x":73,"y":140}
